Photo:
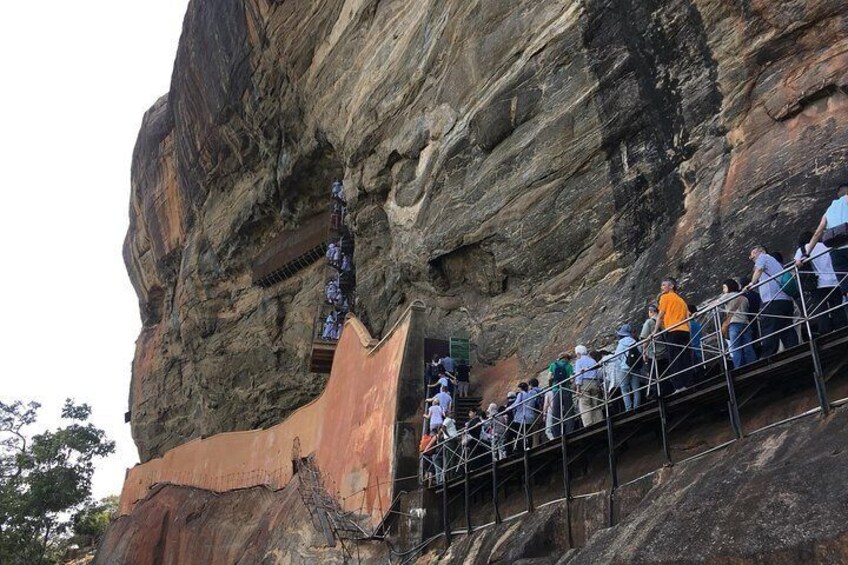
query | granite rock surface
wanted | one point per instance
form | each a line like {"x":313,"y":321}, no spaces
{"x":528,"y":169}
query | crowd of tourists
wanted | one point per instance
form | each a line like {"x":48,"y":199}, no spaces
{"x":340,"y":286}
{"x":756,"y":318}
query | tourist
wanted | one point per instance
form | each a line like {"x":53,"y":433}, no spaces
{"x":833,"y":232}
{"x":337,"y":191}
{"x":522,"y":416}
{"x":497,"y":428}
{"x":778,"y":309}
{"x":588,"y":388}
{"x":654,"y":354}
{"x":472,"y":438}
{"x":329,"y":330}
{"x":755,"y":304}
{"x":331,"y":290}
{"x":448,"y":363}
{"x":548,"y":410}
{"x":825,"y":292}
{"x":627,"y":368}
{"x":434,"y":415}
{"x":463,"y":378}
{"x":445,"y":400}
{"x":509,"y":438}
{"x":696,"y":329}
{"x":426,"y":448}
{"x":451,"y":439}
{"x":563,"y":401}
{"x":671,"y":317}
{"x":736,"y":327}
{"x":535,"y":404}
{"x":442,"y":380}
{"x":431,"y":372}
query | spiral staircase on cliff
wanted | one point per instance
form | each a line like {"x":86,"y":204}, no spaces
{"x":323,"y":350}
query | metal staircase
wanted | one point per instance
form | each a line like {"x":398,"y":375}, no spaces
{"x":327,"y":514}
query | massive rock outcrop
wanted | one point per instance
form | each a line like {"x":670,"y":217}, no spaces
{"x":528,"y":169}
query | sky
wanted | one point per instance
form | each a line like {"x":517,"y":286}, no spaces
{"x":77,"y":78}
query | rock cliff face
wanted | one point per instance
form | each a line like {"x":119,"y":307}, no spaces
{"x":528,"y":169}
{"x":185,"y":526}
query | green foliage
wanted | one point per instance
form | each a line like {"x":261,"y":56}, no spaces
{"x":44,"y":479}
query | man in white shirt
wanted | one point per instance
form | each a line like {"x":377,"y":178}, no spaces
{"x":826,"y":295}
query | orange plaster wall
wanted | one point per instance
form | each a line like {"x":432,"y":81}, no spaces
{"x":349,"y":429}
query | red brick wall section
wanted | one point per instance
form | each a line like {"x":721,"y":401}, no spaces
{"x":349,"y":429}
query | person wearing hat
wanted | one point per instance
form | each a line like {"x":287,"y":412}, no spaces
{"x":627,"y":376}
{"x":509,"y":437}
{"x":588,"y":388}
{"x":654,"y":357}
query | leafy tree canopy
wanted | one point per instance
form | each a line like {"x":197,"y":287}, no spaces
{"x":45,"y":481}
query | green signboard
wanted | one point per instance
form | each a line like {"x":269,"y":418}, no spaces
{"x":460,"y":349}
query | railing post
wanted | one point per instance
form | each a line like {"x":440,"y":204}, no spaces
{"x":467,"y":493}
{"x":660,"y":402}
{"x":495,"y":473}
{"x":733,"y":406}
{"x":612,"y":462}
{"x":566,"y":475}
{"x":818,"y":373}
{"x":528,"y":491}
{"x":445,"y":516}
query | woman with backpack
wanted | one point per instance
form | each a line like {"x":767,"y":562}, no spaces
{"x":626,"y":363}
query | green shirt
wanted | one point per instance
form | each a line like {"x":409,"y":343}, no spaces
{"x":569,"y":369}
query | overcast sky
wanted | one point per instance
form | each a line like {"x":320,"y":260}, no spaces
{"x":77,"y":77}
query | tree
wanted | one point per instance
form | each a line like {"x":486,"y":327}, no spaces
{"x":44,"y":479}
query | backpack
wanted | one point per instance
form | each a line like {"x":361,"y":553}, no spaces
{"x":633,"y":357}
{"x":789,"y":284}
{"x":809,"y":276}
{"x":560,"y":373}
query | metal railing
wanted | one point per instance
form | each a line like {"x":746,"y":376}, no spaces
{"x":588,"y":399}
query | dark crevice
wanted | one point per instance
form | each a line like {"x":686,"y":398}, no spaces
{"x":792,"y":110}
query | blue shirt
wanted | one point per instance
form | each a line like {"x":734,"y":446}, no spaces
{"x":444,"y":401}
{"x":771,"y":290}
{"x":696,"y":327}
{"x":448,"y":364}
{"x":583,"y":371}
{"x":522,"y":413}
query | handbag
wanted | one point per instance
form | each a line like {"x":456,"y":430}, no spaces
{"x":836,"y":236}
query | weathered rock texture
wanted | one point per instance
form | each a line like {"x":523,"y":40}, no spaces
{"x":529,"y":169}
{"x":184,"y":526}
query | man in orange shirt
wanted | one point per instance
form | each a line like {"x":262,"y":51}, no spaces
{"x":673,"y":314}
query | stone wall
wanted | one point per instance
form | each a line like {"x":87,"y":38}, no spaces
{"x":350,"y":430}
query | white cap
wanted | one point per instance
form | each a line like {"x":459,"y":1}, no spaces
{"x":581,"y":350}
